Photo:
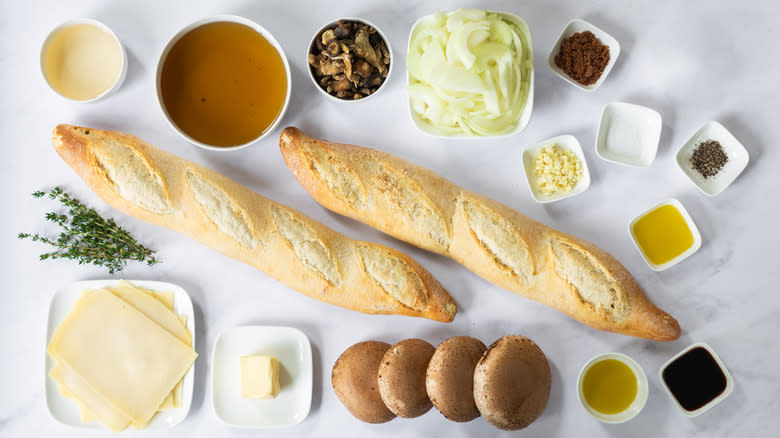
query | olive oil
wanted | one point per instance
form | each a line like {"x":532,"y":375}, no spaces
{"x":663,"y":234}
{"x":223,"y":84}
{"x":609,"y":386}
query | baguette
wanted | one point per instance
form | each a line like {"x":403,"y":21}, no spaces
{"x":150,"y":184}
{"x":492,"y":240}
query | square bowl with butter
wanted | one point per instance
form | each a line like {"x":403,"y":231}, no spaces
{"x":556,"y":169}
{"x":262,"y":376}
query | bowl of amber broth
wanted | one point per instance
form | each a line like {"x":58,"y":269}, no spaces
{"x":223,"y":82}
{"x":612,"y":388}
{"x":349,"y":59}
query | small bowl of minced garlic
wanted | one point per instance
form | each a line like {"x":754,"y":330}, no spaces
{"x":556,"y":169}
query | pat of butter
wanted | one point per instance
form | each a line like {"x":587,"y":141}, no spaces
{"x":259,"y":376}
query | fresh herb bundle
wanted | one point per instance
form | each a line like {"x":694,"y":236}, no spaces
{"x":89,"y":238}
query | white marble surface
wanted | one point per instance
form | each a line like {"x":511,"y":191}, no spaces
{"x":692,"y":61}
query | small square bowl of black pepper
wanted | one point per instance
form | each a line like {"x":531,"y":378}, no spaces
{"x":696,"y":379}
{"x":712,"y":158}
{"x":349,"y":60}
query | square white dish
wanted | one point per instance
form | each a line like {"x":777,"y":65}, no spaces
{"x":729,"y":380}
{"x":691,"y":226}
{"x":567,"y":143}
{"x":738,"y":158}
{"x":575,"y":26}
{"x":293,"y":350}
{"x":65,"y":410}
{"x":628,"y":134}
{"x":525,"y":117}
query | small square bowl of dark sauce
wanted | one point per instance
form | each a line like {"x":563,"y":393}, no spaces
{"x":696,"y":379}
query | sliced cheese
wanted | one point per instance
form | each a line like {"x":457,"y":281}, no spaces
{"x":124,"y":356}
{"x":95,"y":403}
{"x":153,"y":308}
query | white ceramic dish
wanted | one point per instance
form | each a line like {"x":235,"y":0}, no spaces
{"x":641,"y":390}
{"x":688,"y":220}
{"x":737,"y":158}
{"x":565,"y":142}
{"x":381,"y":34}
{"x":123,"y":69}
{"x":291,"y":347}
{"x":525,"y":117}
{"x":221,"y":18}
{"x":628,"y":134}
{"x":65,"y":410}
{"x":716,"y":400}
{"x":570,"y":29}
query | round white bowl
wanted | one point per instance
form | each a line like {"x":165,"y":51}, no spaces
{"x":123,"y":69}
{"x":367,"y":23}
{"x":641,"y":390}
{"x":216,"y":19}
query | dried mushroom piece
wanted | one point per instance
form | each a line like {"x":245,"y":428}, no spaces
{"x":349,"y":60}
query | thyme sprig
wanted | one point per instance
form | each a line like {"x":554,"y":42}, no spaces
{"x":87,"y":237}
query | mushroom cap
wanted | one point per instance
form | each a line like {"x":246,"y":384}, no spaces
{"x":402,"y":378}
{"x":354,"y":380}
{"x":512,"y":383}
{"x":450,"y":377}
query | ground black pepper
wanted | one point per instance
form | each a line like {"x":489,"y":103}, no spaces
{"x":708,"y":158}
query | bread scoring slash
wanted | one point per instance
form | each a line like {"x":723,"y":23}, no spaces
{"x":148,"y":183}
{"x":494,"y":241}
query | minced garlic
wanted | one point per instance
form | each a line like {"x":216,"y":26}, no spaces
{"x":557,"y":170}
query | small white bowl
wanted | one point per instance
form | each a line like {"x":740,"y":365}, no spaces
{"x":378,"y":31}
{"x":691,"y":226}
{"x":729,"y":380}
{"x":737,"y":158}
{"x":641,"y":390}
{"x":573,"y":27}
{"x":123,"y":69}
{"x":525,"y":117}
{"x":293,"y":350}
{"x":628,"y":134}
{"x":567,"y":143}
{"x":214,"y":19}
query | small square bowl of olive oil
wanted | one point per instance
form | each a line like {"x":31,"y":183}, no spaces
{"x":712,"y":158}
{"x":665,"y":234}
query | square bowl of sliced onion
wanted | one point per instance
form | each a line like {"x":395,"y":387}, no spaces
{"x":470,"y":74}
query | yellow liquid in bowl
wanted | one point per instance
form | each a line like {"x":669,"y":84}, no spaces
{"x":663,"y":234}
{"x":609,"y":386}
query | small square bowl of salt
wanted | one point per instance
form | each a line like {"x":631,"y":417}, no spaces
{"x":712,"y":158}
{"x":628,"y":134}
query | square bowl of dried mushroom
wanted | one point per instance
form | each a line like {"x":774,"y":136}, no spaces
{"x":349,"y":59}
{"x":712,"y":158}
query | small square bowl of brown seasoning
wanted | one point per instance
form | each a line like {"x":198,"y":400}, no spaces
{"x":583,"y":55}
{"x":349,"y":59}
{"x":712,"y":158}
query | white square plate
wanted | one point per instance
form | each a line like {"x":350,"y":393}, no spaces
{"x":737,"y":158}
{"x":628,"y":134}
{"x":65,"y":410}
{"x":293,"y":350}
{"x":567,"y":143}
{"x":691,"y":226}
{"x":573,"y":27}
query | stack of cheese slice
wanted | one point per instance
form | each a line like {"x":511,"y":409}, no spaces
{"x":121,"y":354}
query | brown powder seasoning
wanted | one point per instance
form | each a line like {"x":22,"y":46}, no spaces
{"x":583,"y":57}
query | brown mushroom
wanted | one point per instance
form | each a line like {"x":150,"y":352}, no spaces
{"x":328,"y":36}
{"x":363,"y":68}
{"x":333,"y":48}
{"x":343,"y":29}
{"x":365,"y":50}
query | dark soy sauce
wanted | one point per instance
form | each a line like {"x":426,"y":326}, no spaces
{"x":695,"y":378}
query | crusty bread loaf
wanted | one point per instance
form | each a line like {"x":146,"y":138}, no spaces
{"x":143,"y":181}
{"x":494,"y":241}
